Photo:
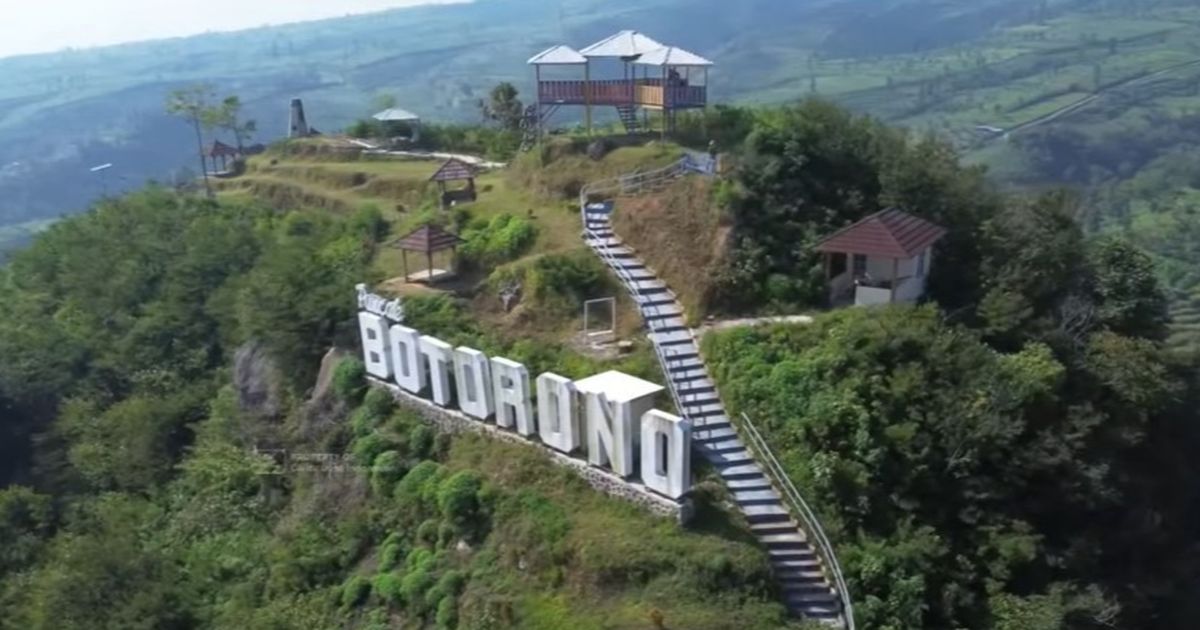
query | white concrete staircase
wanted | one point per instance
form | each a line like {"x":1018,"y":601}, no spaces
{"x":801,"y":572}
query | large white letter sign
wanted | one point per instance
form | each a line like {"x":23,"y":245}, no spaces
{"x":510,"y":385}
{"x":373,"y":331}
{"x":406,"y":358}
{"x":558,"y":417}
{"x":610,"y":433}
{"x":666,"y":453}
{"x":473,"y":376}
{"x":440,"y":356}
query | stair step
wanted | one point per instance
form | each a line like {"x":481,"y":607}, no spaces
{"x":713,"y":422}
{"x":727,"y":445}
{"x":662,"y":312}
{"x":765,"y":512}
{"x":756,"y":496}
{"x":808,"y":574}
{"x":807,"y":563}
{"x":697,"y":386}
{"x":730,"y":458}
{"x":688,"y":368}
{"x":703,"y":411}
{"x":604,"y":241}
{"x":674,"y":338}
{"x":747,"y":483}
{"x":792,"y":540}
{"x":716,"y":436}
{"x":741,"y":471}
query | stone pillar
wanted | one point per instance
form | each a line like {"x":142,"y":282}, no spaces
{"x":298,"y":127}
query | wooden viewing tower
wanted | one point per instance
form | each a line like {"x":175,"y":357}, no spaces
{"x":671,"y":79}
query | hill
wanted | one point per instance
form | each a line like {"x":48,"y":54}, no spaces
{"x":947,"y":67}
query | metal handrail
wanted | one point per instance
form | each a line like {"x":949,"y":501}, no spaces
{"x":801,"y":510}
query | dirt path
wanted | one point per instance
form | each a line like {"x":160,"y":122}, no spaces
{"x":754,"y":321}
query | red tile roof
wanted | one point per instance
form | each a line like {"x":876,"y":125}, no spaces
{"x":890,"y":234}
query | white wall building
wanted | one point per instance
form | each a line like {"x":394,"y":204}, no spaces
{"x":883,"y":259}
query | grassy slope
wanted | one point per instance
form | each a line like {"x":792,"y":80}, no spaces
{"x":541,"y":186}
{"x":680,"y":235}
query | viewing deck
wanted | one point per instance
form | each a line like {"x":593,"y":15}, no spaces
{"x":649,"y":93}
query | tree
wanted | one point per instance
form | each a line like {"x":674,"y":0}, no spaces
{"x":193,"y":105}
{"x":503,"y":107}
{"x":228,"y":116}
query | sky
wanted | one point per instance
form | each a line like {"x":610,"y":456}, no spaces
{"x":50,"y":25}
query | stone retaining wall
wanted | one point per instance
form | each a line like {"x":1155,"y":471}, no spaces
{"x":453,"y":421}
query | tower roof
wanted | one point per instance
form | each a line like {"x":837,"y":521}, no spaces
{"x":623,"y":44}
{"x":558,"y":56}
{"x":672,"y":56}
{"x":890,"y":233}
{"x":396,"y":114}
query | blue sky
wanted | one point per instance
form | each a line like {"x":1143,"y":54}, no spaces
{"x":49,"y":25}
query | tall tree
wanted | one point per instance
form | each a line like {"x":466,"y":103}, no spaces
{"x":193,"y":105}
{"x":228,"y":116}
{"x":503,"y":107}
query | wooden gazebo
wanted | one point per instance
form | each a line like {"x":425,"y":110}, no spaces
{"x":428,"y":239}
{"x":224,"y":152}
{"x":455,"y":170}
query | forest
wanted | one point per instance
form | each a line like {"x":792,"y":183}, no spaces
{"x":1016,"y":453}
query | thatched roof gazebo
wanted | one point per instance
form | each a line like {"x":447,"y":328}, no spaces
{"x":455,"y":170}
{"x":428,"y":239}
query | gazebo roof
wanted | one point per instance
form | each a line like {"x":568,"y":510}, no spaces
{"x":454,"y":170}
{"x":395,"y":114}
{"x":890,"y":233}
{"x":219,"y":149}
{"x":672,"y":56}
{"x":623,"y":44}
{"x":428,"y":239}
{"x":558,"y":56}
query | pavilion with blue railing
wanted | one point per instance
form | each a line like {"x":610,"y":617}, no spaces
{"x":653,"y":77}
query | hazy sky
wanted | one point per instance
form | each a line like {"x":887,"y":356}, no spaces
{"x":29,"y":26}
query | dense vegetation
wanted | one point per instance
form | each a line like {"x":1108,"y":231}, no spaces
{"x":158,"y":350}
{"x":1015,"y":454}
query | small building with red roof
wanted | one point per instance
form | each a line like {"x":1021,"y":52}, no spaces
{"x":883,"y":259}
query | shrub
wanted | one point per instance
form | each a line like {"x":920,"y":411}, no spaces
{"x":458,"y":499}
{"x":413,"y":490}
{"x":355,"y":591}
{"x":393,"y":550}
{"x":561,"y":282}
{"x":420,"y":441}
{"x":413,"y":588}
{"x":502,"y":239}
{"x":368,"y":447}
{"x":368,"y":222}
{"x":428,"y":532}
{"x":349,"y":380}
{"x":387,"y":588}
{"x":447,"y":613}
{"x":379,"y":402}
{"x":363,"y":422}
{"x":386,"y":470}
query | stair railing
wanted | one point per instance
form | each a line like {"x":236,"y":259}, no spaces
{"x":800,"y":509}
{"x":791,"y":496}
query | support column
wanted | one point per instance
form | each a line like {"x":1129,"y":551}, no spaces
{"x":587,"y":94}
{"x":538,"y":86}
{"x":895,"y":272}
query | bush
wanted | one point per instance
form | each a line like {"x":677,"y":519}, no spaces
{"x":379,"y":402}
{"x":393,"y":550}
{"x":386,"y":470}
{"x":429,"y":532}
{"x":420,"y":441}
{"x":355,"y":591}
{"x":502,"y":239}
{"x":368,"y":222}
{"x":458,"y":498}
{"x":368,"y":447}
{"x":447,"y":613}
{"x":387,"y":588}
{"x":413,"y":588}
{"x":414,"y":491}
{"x":349,"y":380}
